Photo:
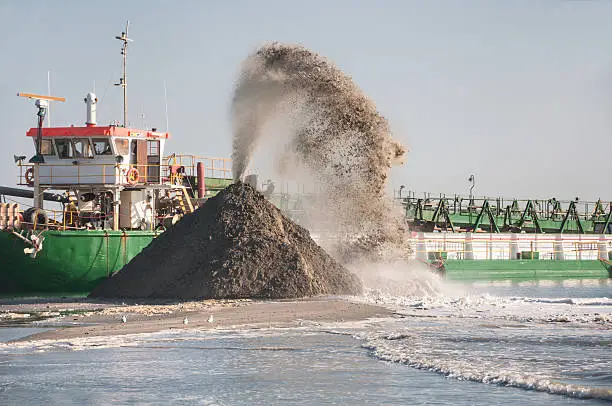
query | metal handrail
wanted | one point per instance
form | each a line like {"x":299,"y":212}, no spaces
{"x":58,"y":220}
{"x":543,"y":207}
{"x":501,"y":248}
{"x":109,"y":172}
{"x":218,"y":167}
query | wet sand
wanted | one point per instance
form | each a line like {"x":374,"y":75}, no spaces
{"x":86,"y":318}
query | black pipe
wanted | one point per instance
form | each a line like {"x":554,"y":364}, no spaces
{"x":29,"y":194}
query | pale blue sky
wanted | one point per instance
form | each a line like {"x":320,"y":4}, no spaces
{"x":517,"y":92}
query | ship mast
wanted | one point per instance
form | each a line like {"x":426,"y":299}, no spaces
{"x":123,"y":80}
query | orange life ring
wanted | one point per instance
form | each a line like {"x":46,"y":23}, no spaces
{"x":29,"y":176}
{"x":132,"y":176}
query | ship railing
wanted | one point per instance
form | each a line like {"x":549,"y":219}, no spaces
{"x":121,"y":174}
{"x":214,"y":167}
{"x":544,"y":208}
{"x":88,"y":174}
{"x":70,"y":219}
{"x":511,"y":247}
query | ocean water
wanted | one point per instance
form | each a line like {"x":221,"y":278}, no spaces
{"x":527,"y":344}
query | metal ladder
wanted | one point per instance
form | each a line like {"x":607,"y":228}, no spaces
{"x":184,"y":200}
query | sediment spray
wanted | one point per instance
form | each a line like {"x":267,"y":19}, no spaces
{"x":336,"y":135}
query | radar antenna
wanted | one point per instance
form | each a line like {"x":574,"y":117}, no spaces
{"x":42,"y":102}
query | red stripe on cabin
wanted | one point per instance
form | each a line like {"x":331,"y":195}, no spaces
{"x":96,"y":131}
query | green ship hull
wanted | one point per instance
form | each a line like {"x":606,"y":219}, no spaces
{"x":75,"y":262}
{"x":71,"y":262}
{"x":523,"y":270}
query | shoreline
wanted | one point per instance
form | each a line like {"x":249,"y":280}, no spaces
{"x":87,"y":318}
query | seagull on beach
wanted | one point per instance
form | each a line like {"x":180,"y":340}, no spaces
{"x":211,"y":319}
{"x":185,"y":320}
{"x":124,"y":319}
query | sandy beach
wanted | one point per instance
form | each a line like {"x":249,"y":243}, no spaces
{"x":86,"y":318}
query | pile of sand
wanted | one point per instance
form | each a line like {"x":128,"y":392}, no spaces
{"x":238,"y":245}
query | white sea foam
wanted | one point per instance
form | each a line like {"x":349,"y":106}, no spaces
{"x":598,"y":301}
{"x":167,"y":337}
{"x":523,"y":342}
{"x":485,"y":358}
{"x":524,"y":309}
{"x":486,"y":373}
{"x":554,"y":345}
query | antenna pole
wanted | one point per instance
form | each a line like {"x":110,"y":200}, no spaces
{"x":49,"y":92}
{"x":125,"y":76}
{"x":123,"y":80}
{"x":166,"y":104}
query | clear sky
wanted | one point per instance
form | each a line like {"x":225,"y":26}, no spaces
{"x":518,"y":93}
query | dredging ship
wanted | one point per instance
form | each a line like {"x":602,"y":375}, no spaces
{"x":468,"y":238}
{"x":112,"y":190}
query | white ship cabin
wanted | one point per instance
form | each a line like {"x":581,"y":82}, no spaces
{"x":99,"y":155}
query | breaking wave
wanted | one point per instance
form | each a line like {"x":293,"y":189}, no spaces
{"x":524,"y":342}
{"x":477,"y":370}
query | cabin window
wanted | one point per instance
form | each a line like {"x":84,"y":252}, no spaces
{"x":46,"y":147}
{"x":153,"y":161}
{"x":64,"y":148}
{"x":122,"y":146}
{"x":102,"y":146}
{"x":152,"y":148}
{"x":82,"y":148}
{"x":134,"y":155}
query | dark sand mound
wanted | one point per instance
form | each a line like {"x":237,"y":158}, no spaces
{"x":238,"y":245}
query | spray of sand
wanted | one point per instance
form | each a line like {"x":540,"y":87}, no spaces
{"x":336,"y":134}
